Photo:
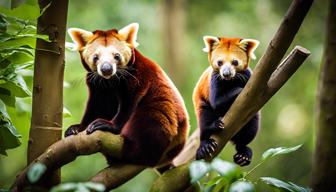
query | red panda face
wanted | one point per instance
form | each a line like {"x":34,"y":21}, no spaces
{"x":228,"y":56}
{"x":105,"y":52}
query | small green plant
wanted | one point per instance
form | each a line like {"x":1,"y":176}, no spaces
{"x":225,"y":176}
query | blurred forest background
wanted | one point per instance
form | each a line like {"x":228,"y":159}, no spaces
{"x":171,"y":34}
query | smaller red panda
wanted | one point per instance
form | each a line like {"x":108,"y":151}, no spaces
{"x":131,"y":96}
{"x":217,"y":89}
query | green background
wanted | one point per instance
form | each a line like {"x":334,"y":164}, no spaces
{"x":287,"y":119}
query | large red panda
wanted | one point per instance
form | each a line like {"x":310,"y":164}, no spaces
{"x":130,"y":95}
{"x":217,"y":89}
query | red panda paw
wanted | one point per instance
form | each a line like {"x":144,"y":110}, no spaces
{"x":206,"y":149}
{"x":73,"y":130}
{"x":103,"y":125}
{"x":243,"y":156}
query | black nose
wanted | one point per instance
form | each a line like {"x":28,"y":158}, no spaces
{"x":106,"y":69}
{"x":226,"y":72}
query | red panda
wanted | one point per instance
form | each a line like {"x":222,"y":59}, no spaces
{"x":217,"y":89}
{"x":130,"y":95}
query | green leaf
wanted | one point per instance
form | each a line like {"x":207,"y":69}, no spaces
{"x":7,"y":99}
{"x":228,"y":170}
{"x":94,"y":186}
{"x":3,"y":23}
{"x":35,"y":172}
{"x":16,"y":89}
{"x":278,"y":151}
{"x":24,"y":11}
{"x":198,"y":169}
{"x":66,"y":113}
{"x":242,"y":186}
{"x":19,"y":57}
{"x":288,"y":186}
{"x":213,"y":181}
{"x":223,"y":183}
{"x":18,"y":42}
{"x":4,"y":190}
{"x":9,"y":138}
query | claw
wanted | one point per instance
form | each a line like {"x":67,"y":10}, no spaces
{"x":206,"y":149}
{"x":242,"y":158}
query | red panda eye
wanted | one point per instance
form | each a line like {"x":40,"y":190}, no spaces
{"x":235,"y":62}
{"x":219,"y":63}
{"x":117,"y":57}
{"x":95,"y":58}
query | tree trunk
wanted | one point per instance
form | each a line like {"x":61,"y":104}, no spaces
{"x":172,"y":31}
{"x":46,"y":122}
{"x":324,"y":166}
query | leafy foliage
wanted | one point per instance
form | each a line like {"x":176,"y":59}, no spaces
{"x":288,"y":186}
{"x":224,"y":176}
{"x":278,"y":151}
{"x":17,"y":43}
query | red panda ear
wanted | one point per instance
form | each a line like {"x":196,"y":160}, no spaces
{"x":129,"y":34}
{"x":209,"y":42}
{"x":79,"y":36}
{"x":249,"y":45}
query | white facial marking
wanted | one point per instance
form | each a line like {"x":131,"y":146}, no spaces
{"x":114,"y":69}
{"x":107,"y":56}
{"x":227,"y":71}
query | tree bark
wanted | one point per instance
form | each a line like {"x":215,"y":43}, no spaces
{"x":324,"y":166}
{"x":172,"y":35}
{"x":46,"y":122}
{"x":67,"y":150}
{"x":279,"y":77}
{"x":259,"y":89}
{"x":116,"y":175}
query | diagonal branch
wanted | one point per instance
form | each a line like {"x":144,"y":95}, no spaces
{"x":266,"y":80}
{"x":116,"y":175}
{"x":68,"y":149}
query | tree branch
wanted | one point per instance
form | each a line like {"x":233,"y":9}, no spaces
{"x":266,"y":80}
{"x":68,"y":149}
{"x":116,"y":175}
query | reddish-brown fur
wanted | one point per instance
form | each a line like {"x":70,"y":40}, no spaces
{"x":161,"y":103}
{"x":157,"y":126}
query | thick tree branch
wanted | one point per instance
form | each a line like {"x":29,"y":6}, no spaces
{"x":280,"y":76}
{"x":259,"y":89}
{"x":68,"y":149}
{"x":117,"y":175}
